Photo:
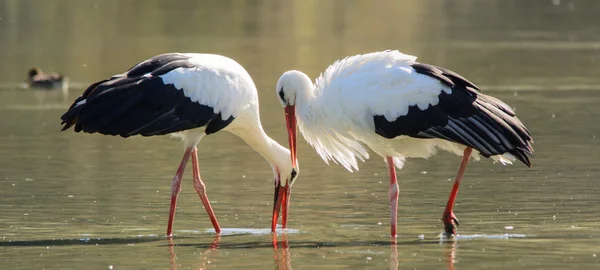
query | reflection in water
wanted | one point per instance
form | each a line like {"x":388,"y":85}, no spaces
{"x":539,"y":56}
{"x":282,"y":254}
{"x":172,"y":256}
{"x":206,"y":256}
{"x":44,"y":97}
{"x":211,"y":252}
{"x":283,"y":258}
{"x":450,"y":253}
{"x":393,"y":254}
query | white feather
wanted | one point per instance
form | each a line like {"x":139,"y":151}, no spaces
{"x":218,"y":82}
{"x":335,"y":115}
{"x":350,"y":92}
{"x":223,"y":84}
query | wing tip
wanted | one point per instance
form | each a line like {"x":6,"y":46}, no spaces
{"x":67,"y":126}
{"x":523,"y":154}
{"x":67,"y":121}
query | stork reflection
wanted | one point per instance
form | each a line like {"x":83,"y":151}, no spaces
{"x":207,"y":257}
{"x":281,"y":253}
{"x":450,"y":253}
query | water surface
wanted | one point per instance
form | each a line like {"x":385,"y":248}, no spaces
{"x":79,"y":201}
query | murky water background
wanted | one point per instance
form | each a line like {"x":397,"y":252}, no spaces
{"x":88,"y":201}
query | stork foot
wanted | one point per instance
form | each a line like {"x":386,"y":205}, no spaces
{"x":450,"y":224}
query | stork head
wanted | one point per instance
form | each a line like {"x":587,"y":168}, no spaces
{"x":293,"y":86}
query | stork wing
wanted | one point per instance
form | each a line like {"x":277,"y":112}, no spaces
{"x":462,"y":115}
{"x":148,"y":100}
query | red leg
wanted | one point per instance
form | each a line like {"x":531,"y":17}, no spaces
{"x":450,"y":221}
{"x":200,"y":188}
{"x":176,"y":188}
{"x":393,"y":194}
{"x":274,"y":239}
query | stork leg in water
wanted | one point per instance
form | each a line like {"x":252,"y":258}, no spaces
{"x":389,"y":95}
{"x":393,"y":194}
{"x":198,"y":185}
{"x":176,"y":188}
{"x":197,"y":94}
{"x":201,"y":189}
{"x":449,"y":219}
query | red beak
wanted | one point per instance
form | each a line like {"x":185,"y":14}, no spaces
{"x":290,"y":122}
{"x":281,"y":202}
{"x":283,"y":193}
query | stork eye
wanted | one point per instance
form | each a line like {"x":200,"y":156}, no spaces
{"x":282,"y":95}
{"x":294,"y":173}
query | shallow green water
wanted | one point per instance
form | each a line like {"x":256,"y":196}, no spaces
{"x":89,"y":201}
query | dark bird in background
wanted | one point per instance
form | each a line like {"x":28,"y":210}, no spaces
{"x":38,"y":79}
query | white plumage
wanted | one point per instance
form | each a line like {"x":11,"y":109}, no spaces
{"x":187,"y":96}
{"x":339,"y":113}
{"x":218,"y":82}
{"x":399,"y":108}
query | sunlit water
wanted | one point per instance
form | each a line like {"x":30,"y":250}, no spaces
{"x":79,"y":201}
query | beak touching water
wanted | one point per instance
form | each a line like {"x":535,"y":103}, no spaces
{"x":283,"y":193}
{"x":281,"y":201}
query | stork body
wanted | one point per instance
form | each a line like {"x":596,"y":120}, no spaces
{"x":400,"y":109}
{"x":188,"y":96}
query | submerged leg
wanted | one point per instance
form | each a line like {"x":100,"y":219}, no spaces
{"x":200,"y":188}
{"x":449,"y":219}
{"x":176,"y":188}
{"x":393,"y":194}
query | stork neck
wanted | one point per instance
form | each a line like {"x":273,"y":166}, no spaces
{"x":271,"y":150}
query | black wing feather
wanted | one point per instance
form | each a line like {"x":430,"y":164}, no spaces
{"x":465,"y":116}
{"x":155,"y":63}
{"x":139,"y":103}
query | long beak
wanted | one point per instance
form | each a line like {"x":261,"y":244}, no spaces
{"x":281,"y":200}
{"x":282,"y":193}
{"x":290,"y":122}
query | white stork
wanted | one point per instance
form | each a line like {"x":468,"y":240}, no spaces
{"x":189,"y":96}
{"x":400,"y":109}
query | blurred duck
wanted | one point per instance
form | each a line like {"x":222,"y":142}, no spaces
{"x":39,"y":79}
